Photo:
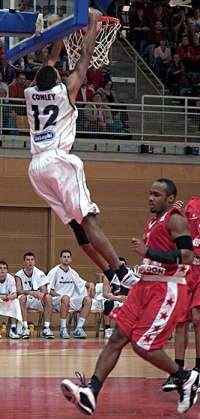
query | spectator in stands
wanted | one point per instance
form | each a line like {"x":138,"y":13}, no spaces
{"x":196,"y":19}
{"x":17,"y":87}
{"x":31,"y":285}
{"x":95,"y":77}
{"x":148,"y":8}
{"x":98,"y":116}
{"x":35,"y":60}
{"x":3,"y":92}
{"x":107,"y":93}
{"x":85,"y":93}
{"x":193,"y":36}
{"x":153,"y":40}
{"x":186,"y":53}
{"x":4,"y":109}
{"x":119,"y":114}
{"x":163,"y":59}
{"x":19,"y":66}
{"x":24,"y":6}
{"x":194,"y":41}
{"x":113,"y":298}
{"x":16,"y":90}
{"x":158,"y":14}
{"x":179,"y":25}
{"x":70,"y":291}
{"x":139,"y":28}
{"x":8,"y":73}
{"x":9,"y":303}
{"x":176,"y":76}
{"x":4,"y":85}
{"x":168,"y":13}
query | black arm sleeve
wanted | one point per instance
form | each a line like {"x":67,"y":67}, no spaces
{"x":169,"y":257}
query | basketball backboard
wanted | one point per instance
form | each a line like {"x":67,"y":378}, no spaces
{"x":59,"y":18}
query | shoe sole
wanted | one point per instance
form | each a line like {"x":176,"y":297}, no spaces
{"x":13,"y":338}
{"x":48,"y":337}
{"x":79,"y":337}
{"x":25,"y":337}
{"x":70,"y":396}
{"x":168,"y":389}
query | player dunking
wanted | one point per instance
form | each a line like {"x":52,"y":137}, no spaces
{"x":154,"y":305}
{"x":57,"y":176}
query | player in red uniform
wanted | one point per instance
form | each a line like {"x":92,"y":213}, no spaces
{"x":193,"y":280}
{"x":154,"y":305}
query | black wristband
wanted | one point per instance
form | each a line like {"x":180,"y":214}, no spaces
{"x":168,"y":257}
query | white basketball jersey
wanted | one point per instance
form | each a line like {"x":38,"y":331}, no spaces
{"x":8,"y":286}
{"x":26,"y":281}
{"x":51,"y":117}
{"x":68,"y":283}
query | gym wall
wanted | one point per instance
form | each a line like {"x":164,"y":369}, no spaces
{"x":119,"y":189}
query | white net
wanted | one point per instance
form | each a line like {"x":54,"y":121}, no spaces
{"x":104,"y":39}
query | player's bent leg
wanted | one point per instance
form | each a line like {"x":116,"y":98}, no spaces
{"x":187,"y":381}
{"x":86,"y":245}
{"x":102,"y":245}
{"x":84,"y":396}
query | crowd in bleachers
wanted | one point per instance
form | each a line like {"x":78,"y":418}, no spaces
{"x":168,"y":38}
{"x":16,"y":76}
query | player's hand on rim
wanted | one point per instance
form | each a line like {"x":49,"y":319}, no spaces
{"x":94,"y":14}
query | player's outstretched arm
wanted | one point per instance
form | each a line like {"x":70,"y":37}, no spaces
{"x":75,"y":80}
{"x":52,"y":57}
{"x":53,"y":54}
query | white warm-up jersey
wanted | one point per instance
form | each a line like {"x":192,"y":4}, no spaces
{"x":68,"y":283}
{"x":52,"y":118}
{"x":33,"y":282}
{"x":8,"y":286}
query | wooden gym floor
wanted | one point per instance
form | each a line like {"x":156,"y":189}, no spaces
{"x":31,"y":373}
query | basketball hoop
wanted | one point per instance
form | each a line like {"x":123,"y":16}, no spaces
{"x":104,"y":39}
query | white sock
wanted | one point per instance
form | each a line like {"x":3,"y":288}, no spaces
{"x":25,"y":325}
{"x":63,"y":323}
{"x":46,"y":324}
{"x":13,"y":326}
{"x":81,"y":322}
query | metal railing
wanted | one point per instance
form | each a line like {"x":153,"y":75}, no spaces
{"x":164,"y":119}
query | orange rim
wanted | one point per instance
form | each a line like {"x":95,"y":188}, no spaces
{"x":113,"y":20}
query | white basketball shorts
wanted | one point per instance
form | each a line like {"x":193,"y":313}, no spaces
{"x":75,"y":304}
{"x":59,"y":179}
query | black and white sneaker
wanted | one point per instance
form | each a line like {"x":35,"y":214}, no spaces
{"x":13,"y":333}
{"x":82,"y":396}
{"x":47,"y":333}
{"x":170,"y":384}
{"x":130,"y":279}
{"x":188,"y":389}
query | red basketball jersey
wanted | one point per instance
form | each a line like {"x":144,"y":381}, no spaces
{"x":157,"y":236}
{"x":193,"y":216}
